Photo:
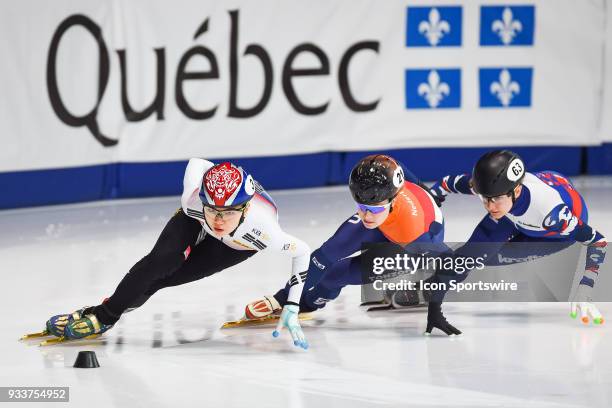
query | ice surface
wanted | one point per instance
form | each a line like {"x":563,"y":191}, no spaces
{"x":170,"y":352}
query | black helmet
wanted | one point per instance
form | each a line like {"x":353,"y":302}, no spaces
{"x":497,"y":173}
{"x":376,"y":178}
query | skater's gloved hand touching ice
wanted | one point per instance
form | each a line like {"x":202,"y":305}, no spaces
{"x":289,"y":319}
{"x":582,"y":306}
{"x":436,"y":320}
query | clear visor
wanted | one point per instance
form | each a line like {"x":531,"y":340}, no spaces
{"x":224,"y":213}
{"x":494,"y":200}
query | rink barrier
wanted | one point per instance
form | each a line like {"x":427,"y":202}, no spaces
{"x":599,"y":159}
{"x":132,"y":180}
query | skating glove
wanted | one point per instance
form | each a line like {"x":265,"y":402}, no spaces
{"x":289,"y":319}
{"x":582,"y":306}
{"x":435,"y":319}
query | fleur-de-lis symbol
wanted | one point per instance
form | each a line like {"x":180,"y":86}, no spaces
{"x":506,"y":88}
{"x":433,"y":91}
{"x":507,"y":27}
{"x":434,"y":29}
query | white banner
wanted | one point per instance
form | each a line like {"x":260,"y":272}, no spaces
{"x":605,"y":129}
{"x":97,"y":82}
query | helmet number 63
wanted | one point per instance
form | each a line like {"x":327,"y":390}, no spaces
{"x":517,"y":169}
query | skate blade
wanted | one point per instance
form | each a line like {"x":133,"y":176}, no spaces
{"x":418,"y":306}
{"x":375,"y":306}
{"x":260,"y":321}
{"x":36,"y":335}
{"x":59,"y":340}
{"x":379,"y":308}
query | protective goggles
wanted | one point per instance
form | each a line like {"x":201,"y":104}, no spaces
{"x":224,"y":213}
{"x":494,"y":200}
{"x":374,"y":209}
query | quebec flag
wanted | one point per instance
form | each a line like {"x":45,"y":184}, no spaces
{"x":510,"y":26}
{"x":433,"y":26}
{"x":505,"y":87}
{"x":433,"y":88}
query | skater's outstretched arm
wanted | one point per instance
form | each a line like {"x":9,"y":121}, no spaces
{"x":562,"y":222}
{"x":456,"y":184}
{"x":300,"y":254}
